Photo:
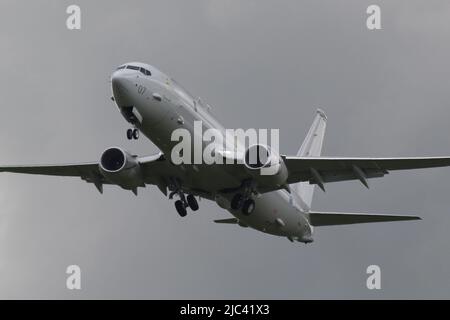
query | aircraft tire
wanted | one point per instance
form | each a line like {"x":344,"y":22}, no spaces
{"x":192,"y":202}
{"x":181,"y":209}
{"x":135,"y":134}
{"x":237,"y":201}
{"x":130,"y":134}
{"x":248,"y":207}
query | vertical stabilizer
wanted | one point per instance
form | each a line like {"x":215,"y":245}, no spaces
{"x":311,"y":147}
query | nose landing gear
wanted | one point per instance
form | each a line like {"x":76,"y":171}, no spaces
{"x":132,"y":134}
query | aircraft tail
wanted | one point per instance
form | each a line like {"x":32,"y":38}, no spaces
{"x":311,"y":147}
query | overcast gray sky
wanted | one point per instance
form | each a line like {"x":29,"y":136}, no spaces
{"x":263,"y":64}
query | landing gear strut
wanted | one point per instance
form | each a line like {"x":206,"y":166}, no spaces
{"x":133,"y":134}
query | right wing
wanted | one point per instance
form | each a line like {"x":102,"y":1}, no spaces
{"x":89,"y":171}
{"x":74,"y":170}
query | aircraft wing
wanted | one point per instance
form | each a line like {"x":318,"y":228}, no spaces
{"x":88,"y":171}
{"x":320,"y":170}
{"x":74,"y":170}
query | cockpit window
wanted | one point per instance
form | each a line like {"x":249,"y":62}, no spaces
{"x":145,"y":71}
{"x":121,"y":67}
{"x":140,"y":69}
{"x":133,"y":67}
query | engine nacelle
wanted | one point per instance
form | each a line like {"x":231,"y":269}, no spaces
{"x":265,"y":166}
{"x":121,"y":168}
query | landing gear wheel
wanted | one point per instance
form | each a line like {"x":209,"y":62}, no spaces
{"x":130,"y":134}
{"x":135,"y":134}
{"x":181,"y":209}
{"x":237,"y":201}
{"x":248,"y":207}
{"x":192,"y":202}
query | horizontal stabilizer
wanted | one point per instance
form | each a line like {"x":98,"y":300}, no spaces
{"x":230,"y":221}
{"x":337,"y":218}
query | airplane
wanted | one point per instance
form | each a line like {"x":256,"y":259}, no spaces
{"x":280,"y":204}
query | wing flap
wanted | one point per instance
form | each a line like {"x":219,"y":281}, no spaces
{"x":339,"y":218}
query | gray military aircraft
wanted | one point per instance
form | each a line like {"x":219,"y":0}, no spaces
{"x":278,"y":204}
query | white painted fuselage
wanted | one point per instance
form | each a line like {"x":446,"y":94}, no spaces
{"x":162,"y":106}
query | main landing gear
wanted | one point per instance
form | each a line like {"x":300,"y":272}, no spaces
{"x":243,"y":201}
{"x":184,"y":202}
{"x":132,"y":134}
{"x":247,"y":206}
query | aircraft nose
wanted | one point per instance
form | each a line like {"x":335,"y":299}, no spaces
{"x":120,"y":87}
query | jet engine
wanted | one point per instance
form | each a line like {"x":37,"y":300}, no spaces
{"x":265,"y":166}
{"x":121,"y":168}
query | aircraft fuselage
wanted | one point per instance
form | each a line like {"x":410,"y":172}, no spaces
{"x":156,"y":105}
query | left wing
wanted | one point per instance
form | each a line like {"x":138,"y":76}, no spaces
{"x":320,"y":170}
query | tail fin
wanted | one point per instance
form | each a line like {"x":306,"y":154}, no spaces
{"x":311,"y":147}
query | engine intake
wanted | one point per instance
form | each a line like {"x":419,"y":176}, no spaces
{"x":265,"y":166}
{"x":257,"y":156}
{"x":121,"y":168}
{"x":113,"y":160}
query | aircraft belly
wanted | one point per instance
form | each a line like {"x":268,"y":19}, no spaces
{"x":208,"y":178}
{"x":273,"y":214}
